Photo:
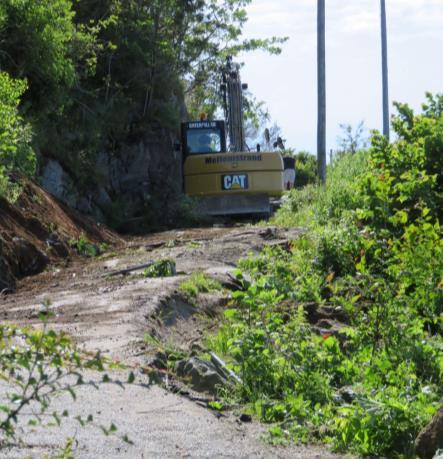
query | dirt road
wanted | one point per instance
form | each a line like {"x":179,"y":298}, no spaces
{"x":112,"y":314}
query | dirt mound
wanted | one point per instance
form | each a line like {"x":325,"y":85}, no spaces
{"x":38,"y":229}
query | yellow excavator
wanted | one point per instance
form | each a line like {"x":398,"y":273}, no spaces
{"x":229,"y":179}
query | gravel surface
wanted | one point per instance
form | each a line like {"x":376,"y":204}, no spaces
{"x":112,"y":314}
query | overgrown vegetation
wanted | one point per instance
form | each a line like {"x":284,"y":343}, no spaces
{"x":368,"y":377}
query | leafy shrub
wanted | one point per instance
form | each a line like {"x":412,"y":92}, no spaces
{"x":161,"y":268}
{"x":84,"y":247}
{"x":316,"y":205}
{"x":306,"y":169}
{"x":373,"y":248}
{"x":16,"y":154}
{"x":338,"y":249}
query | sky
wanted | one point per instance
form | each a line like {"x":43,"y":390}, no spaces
{"x":288,"y":83}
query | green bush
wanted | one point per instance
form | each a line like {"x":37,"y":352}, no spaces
{"x":161,"y":268}
{"x":306,"y":169}
{"x":16,"y":154}
{"x":338,"y":249}
{"x":373,"y":249}
{"x":317,"y":205}
{"x":84,"y":247}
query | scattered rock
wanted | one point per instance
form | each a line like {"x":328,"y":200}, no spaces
{"x":269,"y":233}
{"x":160,"y":361}
{"x":430,"y":439}
{"x":331,"y":329}
{"x":314,"y":313}
{"x":204,"y":375}
{"x":196,"y":348}
{"x":346,"y":394}
{"x":57,"y":246}
{"x":245,"y":418}
{"x":30,"y":260}
{"x":325,"y":324}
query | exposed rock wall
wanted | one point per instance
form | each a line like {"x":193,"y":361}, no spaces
{"x":429,"y":443}
{"x":142,"y":181}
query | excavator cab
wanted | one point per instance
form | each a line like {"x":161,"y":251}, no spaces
{"x":200,"y":137}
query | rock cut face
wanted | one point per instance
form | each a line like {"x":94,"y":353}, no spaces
{"x":430,"y":439}
{"x":141,"y":175}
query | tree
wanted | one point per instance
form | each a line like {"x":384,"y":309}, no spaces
{"x":352,"y":140}
{"x":16,"y":154}
{"x":384,"y":54}
{"x":321,"y":91}
{"x":35,"y":37}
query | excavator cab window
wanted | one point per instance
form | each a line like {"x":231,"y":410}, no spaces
{"x":203,"y":137}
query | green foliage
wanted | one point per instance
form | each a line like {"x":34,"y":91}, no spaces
{"x":215,"y":405}
{"x":161,"y":268}
{"x":372,"y":256}
{"x":338,"y":248}
{"x":408,"y":175}
{"x":197,"y":283}
{"x":36,"y":37}
{"x":16,"y":154}
{"x":306,"y":169}
{"x":352,"y":140}
{"x":214,"y":33}
{"x":84,"y":247}
{"x":314,"y":205}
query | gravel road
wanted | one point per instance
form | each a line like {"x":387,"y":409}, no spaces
{"x":112,"y":314}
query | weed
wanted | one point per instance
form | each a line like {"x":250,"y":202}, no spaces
{"x":193,"y":245}
{"x":199,"y":283}
{"x":161,"y":268}
{"x":84,"y":247}
{"x":171,"y":353}
{"x":52,"y":227}
{"x":216,"y":405}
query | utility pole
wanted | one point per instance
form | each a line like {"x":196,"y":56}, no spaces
{"x":384,"y":59}
{"x":321,"y":91}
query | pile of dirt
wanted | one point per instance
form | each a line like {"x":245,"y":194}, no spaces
{"x":39,"y":229}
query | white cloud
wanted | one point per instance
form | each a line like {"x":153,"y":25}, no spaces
{"x":360,"y":21}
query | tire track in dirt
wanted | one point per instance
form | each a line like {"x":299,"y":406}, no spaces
{"x":112,"y":314}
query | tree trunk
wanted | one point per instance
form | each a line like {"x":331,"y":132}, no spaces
{"x":321,"y":75}
{"x":384,"y":58}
